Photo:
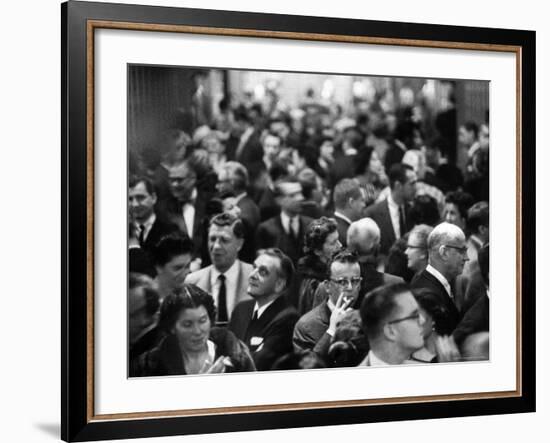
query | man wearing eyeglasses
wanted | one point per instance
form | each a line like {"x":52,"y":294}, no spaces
{"x":393,"y":325}
{"x":447,"y":254}
{"x":315,"y":329}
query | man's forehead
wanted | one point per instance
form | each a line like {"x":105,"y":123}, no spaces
{"x":339,"y":269}
{"x":406,"y":302}
{"x":224,"y":231}
{"x":266,"y":260}
{"x":139,"y":188}
{"x":180,"y":170}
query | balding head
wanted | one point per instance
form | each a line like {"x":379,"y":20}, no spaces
{"x":364,"y":236}
{"x":447,"y":249}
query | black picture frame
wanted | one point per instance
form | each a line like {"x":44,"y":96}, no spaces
{"x":78,"y":422}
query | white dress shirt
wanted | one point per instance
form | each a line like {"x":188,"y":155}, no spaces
{"x":231,"y":280}
{"x":261,"y":310}
{"x":373,"y":360}
{"x":147,"y":225}
{"x":342,"y":216}
{"x":290,"y":225}
{"x":394,"y":215}
{"x":189,"y":214}
{"x":441,"y":278}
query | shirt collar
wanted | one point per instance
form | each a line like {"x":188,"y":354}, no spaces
{"x":391,"y":201}
{"x":261,"y":310}
{"x":342,"y":216}
{"x":230,"y":274}
{"x":148,"y":223}
{"x":372,"y":360}
{"x":440,"y":277}
{"x":239,"y":197}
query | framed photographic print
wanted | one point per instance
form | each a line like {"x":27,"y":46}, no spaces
{"x":276,"y":221}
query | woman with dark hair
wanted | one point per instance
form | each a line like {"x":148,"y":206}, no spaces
{"x":192,"y":345}
{"x":320,"y":243}
{"x":369,"y":170}
{"x":436,"y":325}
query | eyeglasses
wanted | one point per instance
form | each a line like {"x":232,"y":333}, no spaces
{"x":462,"y":250}
{"x":345,"y":282}
{"x":416,"y":316}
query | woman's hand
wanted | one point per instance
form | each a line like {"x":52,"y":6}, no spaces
{"x":218,"y":367}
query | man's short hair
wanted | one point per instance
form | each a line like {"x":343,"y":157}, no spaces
{"x":359,"y":231}
{"x":237,"y":173}
{"x":462,"y":200}
{"x":421,"y":232}
{"x":344,"y":256}
{"x":478,"y":215}
{"x":317,"y":232}
{"x":345,"y":189}
{"x":228,"y":219}
{"x":279,"y":185}
{"x":286,"y":267}
{"x":398,"y":173}
{"x":137,"y":179}
{"x":377,"y":307}
{"x":424,"y":210}
{"x":441,"y":234}
{"x":171,"y":246}
{"x":152,"y":299}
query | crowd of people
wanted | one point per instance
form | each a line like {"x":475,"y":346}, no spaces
{"x":303,"y":238}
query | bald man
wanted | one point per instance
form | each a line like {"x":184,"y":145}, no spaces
{"x":363,"y":238}
{"x":447,"y":254}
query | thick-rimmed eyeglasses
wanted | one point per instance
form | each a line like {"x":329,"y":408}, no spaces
{"x":416,"y":316}
{"x":461,"y":249}
{"x":345,"y":282}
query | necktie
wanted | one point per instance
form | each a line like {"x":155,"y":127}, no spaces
{"x":222,"y":300}
{"x":294,"y":228}
{"x":402,"y":221}
{"x":141,"y":238}
{"x":251,"y":329}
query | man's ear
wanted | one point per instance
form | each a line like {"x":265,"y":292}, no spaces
{"x":240,"y":242}
{"x":389,"y":332}
{"x":483,"y":230}
{"x":280,"y":285}
{"x":154,"y":198}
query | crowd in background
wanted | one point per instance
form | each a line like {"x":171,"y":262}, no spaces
{"x":272,"y":238}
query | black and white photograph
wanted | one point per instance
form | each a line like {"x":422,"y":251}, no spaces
{"x":300,"y":221}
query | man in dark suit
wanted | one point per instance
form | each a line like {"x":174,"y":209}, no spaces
{"x":233,"y":180}
{"x":364,"y":240}
{"x":286,"y":230}
{"x":391,"y":213}
{"x":349,"y":205}
{"x":447,"y":254}
{"x":266,"y":322}
{"x":148,"y":228}
{"x":186,"y":206}
{"x":316,"y":328}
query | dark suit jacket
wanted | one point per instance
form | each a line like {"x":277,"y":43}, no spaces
{"x":172,"y":210}
{"x":476,"y":319}
{"x":372,"y":279}
{"x":267,"y":204}
{"x":450,"y":315}
{"x":310,"y":333}
{"x":342,"y":227}
{"x":271,"y":234}
{"x":250,"y":215}
{"x":159,"y":229}
{"x":270,"y":337}
{"x":380,"y":213}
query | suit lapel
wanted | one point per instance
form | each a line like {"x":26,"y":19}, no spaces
{"x":387,"y":220}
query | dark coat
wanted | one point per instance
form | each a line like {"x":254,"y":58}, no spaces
{"x":372,"y":278}
{"x":380,"y":213}
{"x":172,"y":210}
{"x":159,"y":229}
{"x":449,"y":312}
{"x":269,"y":337}
{"x":311,"y":271}
{"x":476,"y":319}
{"x":271,"y":234}
{"x":250,"y":215}
{"x":166,"y":358}
{"x":342,"y":226}
{"x":310,"y":333}
{"x":267,"y":204}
